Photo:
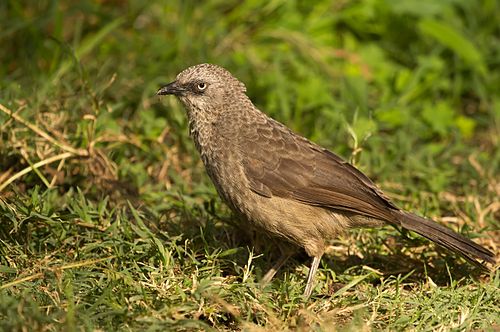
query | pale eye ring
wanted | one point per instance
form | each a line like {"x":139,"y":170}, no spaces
{"x":201,"y":86}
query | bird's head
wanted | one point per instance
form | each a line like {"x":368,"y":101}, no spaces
{"x":205,"y":87}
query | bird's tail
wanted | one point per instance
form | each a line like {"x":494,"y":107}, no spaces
{"x":447,"y":238}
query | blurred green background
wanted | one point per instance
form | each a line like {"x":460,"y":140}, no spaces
{"x":409,"y":91}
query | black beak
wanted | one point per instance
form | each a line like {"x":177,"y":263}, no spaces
{"x":171,"y":89}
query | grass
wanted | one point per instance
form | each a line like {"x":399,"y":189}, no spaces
{"x":108,"y":221}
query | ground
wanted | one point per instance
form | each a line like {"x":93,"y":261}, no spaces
{"x":108,"y":221}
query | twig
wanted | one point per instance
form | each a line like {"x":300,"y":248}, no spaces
{"x":16,"y":176}
{"x":59,"y":168}
{"x":40,"y":132}
{"x":54,"y":269}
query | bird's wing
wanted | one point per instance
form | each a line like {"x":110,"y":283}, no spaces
{"x":278,"y":162}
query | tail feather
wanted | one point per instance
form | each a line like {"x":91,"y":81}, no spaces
{"x":447,"y":238}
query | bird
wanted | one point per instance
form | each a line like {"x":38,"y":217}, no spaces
{"x":284,"y":185}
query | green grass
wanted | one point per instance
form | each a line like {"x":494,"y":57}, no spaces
{"x":108,"y":221}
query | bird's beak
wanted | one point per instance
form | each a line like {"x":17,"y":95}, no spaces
{"x":171,"y":89}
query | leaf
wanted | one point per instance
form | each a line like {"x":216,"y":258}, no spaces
{"x":466,"y":125}
{"x":87,"y":45}
{"x":451,"y":38}
{"x":439,"y":116}
{"x":394,"y":117}
{"x":418,"y":7}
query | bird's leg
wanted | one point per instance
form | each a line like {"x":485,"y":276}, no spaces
{"x":272,"y":271}
{"x":310,"y":277}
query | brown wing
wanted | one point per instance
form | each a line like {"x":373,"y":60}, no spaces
{"x":278,"y":162}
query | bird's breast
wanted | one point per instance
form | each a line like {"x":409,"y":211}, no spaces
{"x":222,"y":160}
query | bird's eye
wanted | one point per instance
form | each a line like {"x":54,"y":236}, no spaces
{"x":201,"y":86}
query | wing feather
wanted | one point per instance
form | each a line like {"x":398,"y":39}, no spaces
{"x":278,"y":162}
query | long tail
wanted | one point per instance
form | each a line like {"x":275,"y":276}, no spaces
{"x":447,"y":238}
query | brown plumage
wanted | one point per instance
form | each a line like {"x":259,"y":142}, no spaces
{"x":282,"y":183}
